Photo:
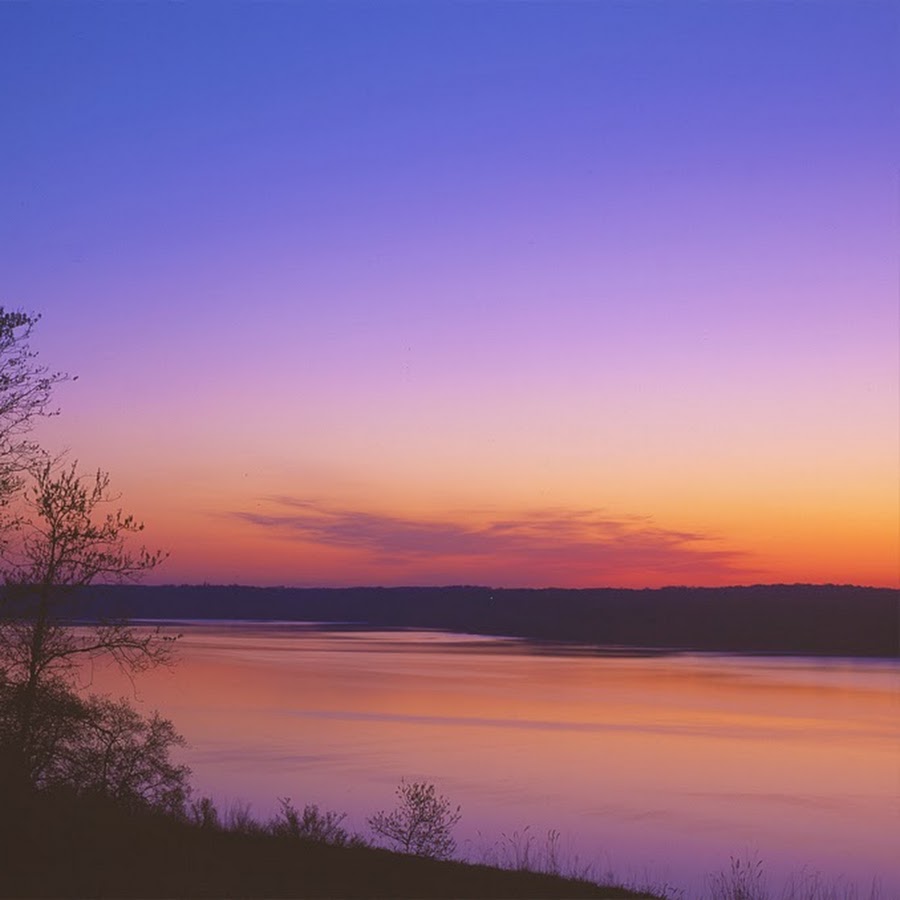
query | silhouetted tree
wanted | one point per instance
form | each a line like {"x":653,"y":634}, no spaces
{"x":59,"y":534}
{"x":422,"y":822}
{"x":115,"y":752}
{"x":66,"y":539}
{"x":25,"y":390}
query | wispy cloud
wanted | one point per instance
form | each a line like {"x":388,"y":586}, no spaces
{"x":567,"y":546}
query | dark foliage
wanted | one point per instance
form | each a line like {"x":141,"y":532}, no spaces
{"x":90,"y":747}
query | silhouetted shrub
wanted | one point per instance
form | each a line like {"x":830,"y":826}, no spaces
{"x":310,"y":825}
{"x":422,"y":822}
{"x":204,"y":814}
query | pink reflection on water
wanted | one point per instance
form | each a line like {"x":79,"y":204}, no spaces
{"x":658,"y":766}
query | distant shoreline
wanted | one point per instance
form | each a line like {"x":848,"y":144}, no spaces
{"x":771,"y":620}
{"x":543,"y":646}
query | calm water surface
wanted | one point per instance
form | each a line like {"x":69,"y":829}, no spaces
{"x":658,"y":767}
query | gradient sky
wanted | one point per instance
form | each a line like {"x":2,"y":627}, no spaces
{"x":510,"y":294}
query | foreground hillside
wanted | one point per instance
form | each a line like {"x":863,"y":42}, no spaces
{"x":77,"y":849}
{"x":800,"y":619}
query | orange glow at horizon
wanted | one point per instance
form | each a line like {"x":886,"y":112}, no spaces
{"x":773,"y":546}
{"x":616,"y":521}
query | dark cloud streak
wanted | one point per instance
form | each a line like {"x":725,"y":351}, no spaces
{"x":585,"y":540}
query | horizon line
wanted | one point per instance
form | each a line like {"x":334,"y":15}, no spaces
{"x":486,"y":587}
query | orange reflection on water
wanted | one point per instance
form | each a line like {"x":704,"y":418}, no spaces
{"x":675,"y":762}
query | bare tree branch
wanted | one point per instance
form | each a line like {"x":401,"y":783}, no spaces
{"x":65,"y":541}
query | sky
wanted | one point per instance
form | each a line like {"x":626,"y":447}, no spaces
{"x":516,"y":294}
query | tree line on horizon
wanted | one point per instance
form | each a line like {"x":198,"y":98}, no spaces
{"x":835,"y":620}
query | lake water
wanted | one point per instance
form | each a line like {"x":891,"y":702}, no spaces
{"x":657,"y":767}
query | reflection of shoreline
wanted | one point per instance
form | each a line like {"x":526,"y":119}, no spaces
{"x":449,"y":641}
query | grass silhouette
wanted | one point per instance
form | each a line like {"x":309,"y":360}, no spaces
{"x":61,"y":846}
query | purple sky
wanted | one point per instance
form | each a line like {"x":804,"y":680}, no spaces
{"x":436,"y":272}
